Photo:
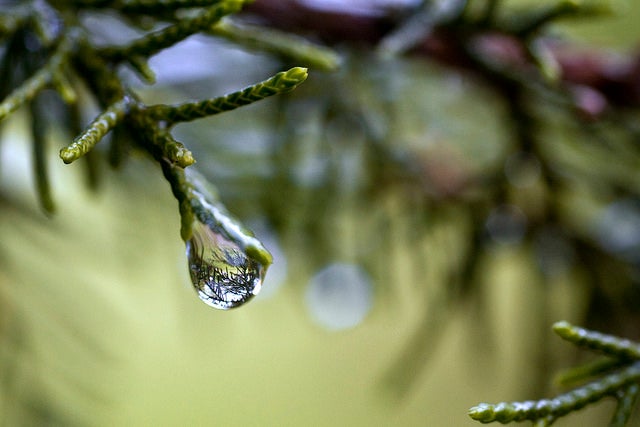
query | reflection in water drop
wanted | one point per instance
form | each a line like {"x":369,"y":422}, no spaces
{"x":339,"y":296}
{"x":224,"y":276}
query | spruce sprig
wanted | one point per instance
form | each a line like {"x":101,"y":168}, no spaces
{"x":620,"y":379}
{"x":72,"y":55}
{"x":593,"y":340}
{"x":154,"y":42}
{"x":40,"y":80}
{"x":282,"y":82}
{"x":284,"y":45}
{"x":98,"y":128}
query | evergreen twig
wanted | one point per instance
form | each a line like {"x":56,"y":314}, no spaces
{"x":36,"y":83}
{"x":588,"y":370}
{"x":98,"y":128}
{"x":162,"y":39}
{"x":627,"y":399}
{"x":76,"y":56}
{"x":197,"y":203}
{"x":620,"y":381}
{"x":284,"y":45}
{"x":282,"y":82}
{"x":559,"y":405}
{"x":172,"y":150}
{"x":607,"y":344}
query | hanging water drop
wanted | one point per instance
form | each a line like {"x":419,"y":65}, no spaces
{"x":221,"y":271}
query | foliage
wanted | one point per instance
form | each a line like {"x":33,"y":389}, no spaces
{"x":620,"y":375}
{"x":545,"y":93}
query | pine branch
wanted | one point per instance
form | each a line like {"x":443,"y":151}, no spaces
{"x":282,"y":82}
{"x":607,"y":344}
{"x":199,"y":204}
{"x":627,"y":399}
{"x":560,"y":405}
{"x":220,"y":285}
{"x":162,"y":39}
{"x":279,"y":43}
{"x":40,"y":80}
{"x":620,"y":380}
{"x":98,"y":128}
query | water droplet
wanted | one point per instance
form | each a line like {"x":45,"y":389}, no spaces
{"x":221,"y":272}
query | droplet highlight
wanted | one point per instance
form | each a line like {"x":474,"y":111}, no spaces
{"x":221,"y":272}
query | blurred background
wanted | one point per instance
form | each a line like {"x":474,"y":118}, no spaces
{"x":422,"y":251}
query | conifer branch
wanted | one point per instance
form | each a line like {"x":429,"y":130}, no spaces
{"x":198,"y":203}
{"x":560,"y":405}
{"x":448,"y":43}
{"x":36,"y":83}
{"x":620,"y":380}
{"x":282,"y":82}
{"x":47,"y":24}
{"x":167,"y":37}
{"x":63,"y":86}
{"x":141,"y":66}
{"x":26,"y":92}
{"x":181,"y":189}
{"x":171,"y":149}
{"x":98,"y":128}
{"x":151,"y":125}
{"x":588,"y":370}
{"x":627,"y":399}
{"x":284,"y":45}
